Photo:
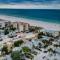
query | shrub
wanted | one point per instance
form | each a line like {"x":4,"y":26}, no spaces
{"x":18,"y":43}
{"x":6,"y":31}
{"x":15,"y":55}
{"x":29,"y":55}
{"x":5,"y":49}
{"x":50,"y":50}
{"x":56,"y":45}
{"x":26,"y":50}
{"x":40,"y":35}
{"x":47,"y":42}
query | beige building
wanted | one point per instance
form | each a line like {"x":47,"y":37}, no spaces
{"x":7,"y":24}
{"x":21,"y":26}
{"x":14,"y":24}
{"x":26,"y":26}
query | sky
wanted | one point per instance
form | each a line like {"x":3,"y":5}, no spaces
{"x":30,"y":4}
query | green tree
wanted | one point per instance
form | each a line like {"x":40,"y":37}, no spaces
{"x":26,"y":50}
{"x":50,"y":50}
{"x":40,"y":35}
{"x":5,"y":49}
{"x":15,"y":55}
{"x":18,"y":43}
{"x":12,"y":28}
{"x":6,"y":31}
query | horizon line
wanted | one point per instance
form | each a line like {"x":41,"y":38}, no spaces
{"x":29,"y":6}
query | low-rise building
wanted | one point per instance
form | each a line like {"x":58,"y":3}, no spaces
{"x":55,"y":34}
{"x":26,"y":26}
{"x":21,"y":26}
{"x":2,"y":23}
{"x":15,"y":24}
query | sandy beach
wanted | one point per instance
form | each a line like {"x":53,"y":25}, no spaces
{"x":45,"y":25}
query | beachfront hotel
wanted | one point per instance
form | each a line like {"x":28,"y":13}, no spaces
{"x":20,"y":26}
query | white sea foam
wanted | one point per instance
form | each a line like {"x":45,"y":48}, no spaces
{"x":46,"y":25}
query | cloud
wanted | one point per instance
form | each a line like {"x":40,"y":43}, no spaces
{"x":29,"y":6}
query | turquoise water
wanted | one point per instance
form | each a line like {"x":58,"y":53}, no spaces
{"x":47,"y":15}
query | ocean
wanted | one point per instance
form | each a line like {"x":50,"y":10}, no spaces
{"x":19,"y":1}
{"x":47,"y":15}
